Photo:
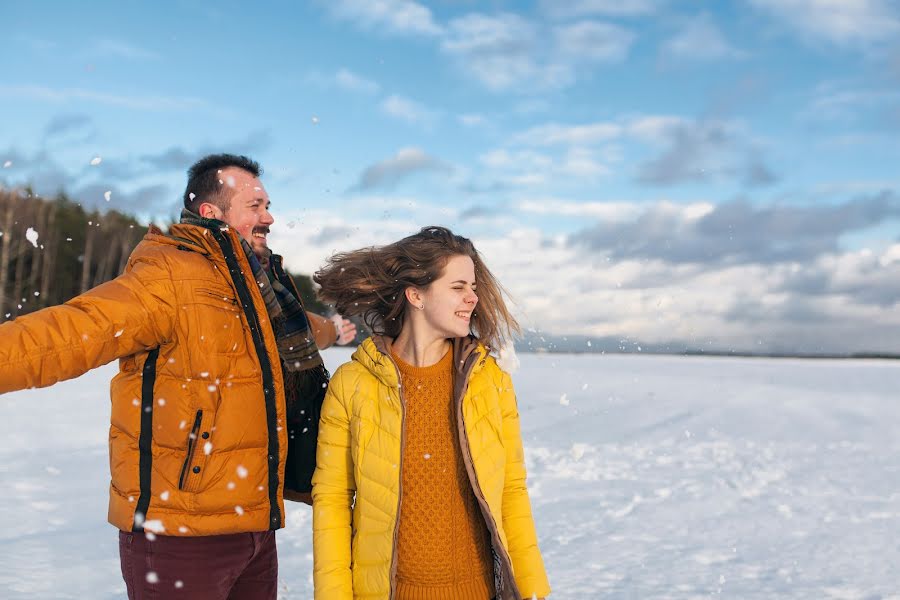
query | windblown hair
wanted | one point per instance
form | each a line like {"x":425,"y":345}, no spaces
{"x":372,"y":282}
{"x":204,"y":183}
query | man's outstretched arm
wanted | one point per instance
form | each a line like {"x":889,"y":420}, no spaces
{"x":133,"y":312}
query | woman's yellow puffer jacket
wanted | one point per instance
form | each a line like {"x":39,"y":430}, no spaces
{"x":359,"y":449}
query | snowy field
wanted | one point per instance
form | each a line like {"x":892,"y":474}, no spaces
{"x":651,"y":477}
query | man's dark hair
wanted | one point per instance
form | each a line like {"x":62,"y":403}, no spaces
{"x":205,"y":185}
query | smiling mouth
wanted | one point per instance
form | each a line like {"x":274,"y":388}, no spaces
{"x":464,"y":315}
{"x":260,"y":233}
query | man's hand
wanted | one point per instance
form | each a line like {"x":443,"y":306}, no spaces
{"x":346,"y":330}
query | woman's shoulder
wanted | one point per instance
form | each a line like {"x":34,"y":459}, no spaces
{"x":351,"y":371}
{"x":490,"y":369}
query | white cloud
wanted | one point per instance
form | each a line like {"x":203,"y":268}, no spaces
{"x":561,"y":289}
{"x":581,"y":163}
{"x":525,"y":160}
{"x":472,"y":120}
{"x":350,"y":81}
{"x":840,"y":101}
{"x":406,"y":162}
{"x":503,"y":51}
{"x":118,"y":49}
{"x":606,"y":211}
{"x":610,"y":8}
{"x":841,"y":22}
{"x":392,"y":16}
{"x":699,"y":40}
{"x":592,"y":41}
{"x":557,"y":134}
{"x":62,"y":95}
{"x":407,"y":110}
{"x":530,"y":168}
{"x":654,"y":128}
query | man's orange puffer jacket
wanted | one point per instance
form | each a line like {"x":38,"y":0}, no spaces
{"x":197,"y":440}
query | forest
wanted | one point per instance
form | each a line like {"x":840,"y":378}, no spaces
{"x":52,"y":249}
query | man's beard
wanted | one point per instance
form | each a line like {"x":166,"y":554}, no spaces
{"x":262,"y":252}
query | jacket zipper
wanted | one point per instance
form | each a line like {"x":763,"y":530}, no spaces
{"x":505,"y":562}
{"x":399,"y":479}
{"x":266,"y":365}
{"x":191,"y":446}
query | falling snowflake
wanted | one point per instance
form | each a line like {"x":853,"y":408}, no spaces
{"x":32,"y":236}
{"x":152,"y":577}
{"x":315,"y":120}
{"x":239,"y":510}
{"x":564,"y":400}
{"x":578,"y":451}
{"x":96,"y":161}
{"x":118,"y":333}
{"x":207,"y":448}
{"x":107,"y":195}
{"x":164,"y":496}
{"x":7,"y":164}
{"x":154,"y":526}
{"x":242,"y":471}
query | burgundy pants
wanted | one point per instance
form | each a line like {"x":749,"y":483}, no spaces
{"x":240,"y":566}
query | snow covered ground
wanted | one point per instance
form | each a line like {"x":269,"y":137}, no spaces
{"x":651,"y":477}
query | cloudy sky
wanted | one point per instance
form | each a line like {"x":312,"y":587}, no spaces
{"x":705,"y":173}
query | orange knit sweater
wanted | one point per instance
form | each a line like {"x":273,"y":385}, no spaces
{"x":443,"y":547}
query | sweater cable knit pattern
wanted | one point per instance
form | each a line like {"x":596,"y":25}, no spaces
{"x":443,"y":548}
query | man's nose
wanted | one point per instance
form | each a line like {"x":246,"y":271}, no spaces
{"x":266,"y":218}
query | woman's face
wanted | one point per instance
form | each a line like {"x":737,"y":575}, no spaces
{"x":450,"y":299}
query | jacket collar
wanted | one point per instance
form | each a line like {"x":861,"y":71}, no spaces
{"x":374,"y":354}
{"x":194,"y":237}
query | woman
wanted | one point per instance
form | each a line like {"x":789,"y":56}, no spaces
{"x":419,"y":489}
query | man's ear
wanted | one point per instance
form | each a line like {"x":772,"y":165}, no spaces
{"x":209,"y":210}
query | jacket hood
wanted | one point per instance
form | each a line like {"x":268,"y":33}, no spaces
{"x":374,"y":354}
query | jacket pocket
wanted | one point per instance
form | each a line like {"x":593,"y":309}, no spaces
{"x":217,"y":320}
{"x":192,"y":443}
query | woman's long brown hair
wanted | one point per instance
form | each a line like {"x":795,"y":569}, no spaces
{"x":372,"y":282}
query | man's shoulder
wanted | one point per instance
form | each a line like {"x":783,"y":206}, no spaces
{"x":179,"y":258}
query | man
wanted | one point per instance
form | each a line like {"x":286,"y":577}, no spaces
{"x":199,"y":429}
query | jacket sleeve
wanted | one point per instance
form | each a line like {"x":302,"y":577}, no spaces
{"x":323,"y":330}
{"x":333,"y":490}
{"x":133,"y":312}
{"x":518,"y":523}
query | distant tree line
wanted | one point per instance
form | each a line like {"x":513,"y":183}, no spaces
{"x":52,"y":249}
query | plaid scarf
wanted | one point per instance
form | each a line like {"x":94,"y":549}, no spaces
{"x":296,"y":344}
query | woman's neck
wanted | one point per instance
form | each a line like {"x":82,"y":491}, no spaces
{"x":419,"y":349}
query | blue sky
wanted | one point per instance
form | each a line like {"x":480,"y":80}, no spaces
{"x":716,"y":174}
